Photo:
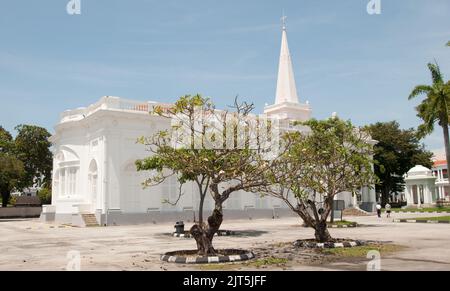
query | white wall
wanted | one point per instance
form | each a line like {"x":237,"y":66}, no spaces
{"x":108,"y":138}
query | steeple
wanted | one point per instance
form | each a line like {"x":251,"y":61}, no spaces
{"x":287,"y":106}
{"x":286,"y":89}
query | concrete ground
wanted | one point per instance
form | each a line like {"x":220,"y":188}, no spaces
{"x":32,"y":245}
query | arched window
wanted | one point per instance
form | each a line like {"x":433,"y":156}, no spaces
{"x":66,"y":173}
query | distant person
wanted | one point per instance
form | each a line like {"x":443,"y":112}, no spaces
{"x":388,"y":210}
{"x":378,"y":210}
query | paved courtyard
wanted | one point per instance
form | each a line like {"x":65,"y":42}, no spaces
{"x":32,"y":245}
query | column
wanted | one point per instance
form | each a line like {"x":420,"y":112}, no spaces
{"x":419,"y":202}
{"x":407,"y":194}
{"x":114,"y":174}
{"x":105,"y":175}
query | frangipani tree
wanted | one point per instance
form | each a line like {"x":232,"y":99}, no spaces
{"x":221,"y":156}
{"x":333,"y":157}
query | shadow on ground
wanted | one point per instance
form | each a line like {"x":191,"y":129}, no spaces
{"x":250,"y":233}
{"x":11,"y":219}
{"x":236,"y":233}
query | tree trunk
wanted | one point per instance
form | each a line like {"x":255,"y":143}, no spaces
{"x":200,"y":209}
{"x":322,"y":235}
{"x":203,"y":240}
{"x":447,"y":147}
{"x":332,"y":211}
{"x":203,"y":190}
{"x":318,"y":224}
{"x":5,"y":198}
{"x":204,"y":233}
{"x":385,"y":195}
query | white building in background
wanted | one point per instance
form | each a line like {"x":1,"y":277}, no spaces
{"x":440,"y":171}
{"x":425,"y":187}
{"x":94,"y":171}
{"x":420,"y":187}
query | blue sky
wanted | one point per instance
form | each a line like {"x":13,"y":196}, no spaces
{"x":361,"y":66}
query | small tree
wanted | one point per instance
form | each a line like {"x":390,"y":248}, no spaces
{"x":6,"y":141}
{"x":32,"y":147}
{"x":45,"y":195}
{"x":220,"y":169}
{"x":333,"y":157}
{"x":11,"y":170}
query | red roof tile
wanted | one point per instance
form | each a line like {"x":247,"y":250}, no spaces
{"x":440,"y":163}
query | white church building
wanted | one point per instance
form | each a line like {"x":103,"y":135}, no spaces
{"x":94,"y":173}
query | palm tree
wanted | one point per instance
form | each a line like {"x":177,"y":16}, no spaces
{"x":436,"y":107}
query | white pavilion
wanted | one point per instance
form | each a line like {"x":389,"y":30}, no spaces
{"x":420,"y":187}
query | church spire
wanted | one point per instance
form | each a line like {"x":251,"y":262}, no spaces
{"x":286,"y":89}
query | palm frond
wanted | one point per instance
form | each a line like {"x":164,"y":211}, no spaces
{"x":419,"y":90}
{"x":435,"y":108}
{"x":436,"y":74}
{"x":423,"y":130}
{"x":427,"y":112}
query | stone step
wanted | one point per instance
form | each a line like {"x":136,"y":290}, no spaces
{"x":90,"y":220}
{"x":355,"y":212}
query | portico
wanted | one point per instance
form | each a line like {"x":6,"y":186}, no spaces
{"x":420,"y":187}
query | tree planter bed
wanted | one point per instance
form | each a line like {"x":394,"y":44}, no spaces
{"x":187,"y":234}
{"x":420,"y":212}
{"x":312,"y":244}
{"x":352,"y":225}
{"x":223,"y":256}
{"x":421,"y":221}
{"x":343,"y":225}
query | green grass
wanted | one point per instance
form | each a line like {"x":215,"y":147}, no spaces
{"x":336,"y":253}
{"x":362,"y":251}
{"x":220,"y":267}
{"x":440,"y":218}
{"x":424,"y":210}
{"x":281,"y":244}
{"x":343,"y":222}
{"x":259,"y":263}
{"x":268,"y":262}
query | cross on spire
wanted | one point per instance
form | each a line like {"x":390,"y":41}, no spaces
{"x":283,"y":21}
